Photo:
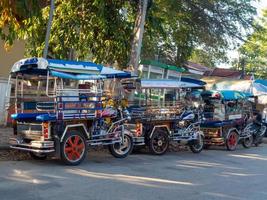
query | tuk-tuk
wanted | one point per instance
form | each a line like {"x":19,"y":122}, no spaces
{"x":163,"y":111}
{"x":61,"y":109}
{"x":227,"y":118}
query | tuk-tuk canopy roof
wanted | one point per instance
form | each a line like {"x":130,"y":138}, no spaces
{"x":78,"y":70}
{"x":171,"y":84}
{"x":227,"y":95}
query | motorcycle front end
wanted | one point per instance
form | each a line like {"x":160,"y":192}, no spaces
{"x":125,"y":147}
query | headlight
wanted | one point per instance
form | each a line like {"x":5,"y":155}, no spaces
{"x":16,"y":66}
{"x":181,"y":123}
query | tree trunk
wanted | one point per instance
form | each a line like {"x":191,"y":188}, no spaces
{"x":48,"y":30}
{"x":138,"y":35}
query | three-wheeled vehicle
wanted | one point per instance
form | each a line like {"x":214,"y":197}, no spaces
{"x":163,"y":111}
{"x":61,"y":108}
{"x":228,"y":118}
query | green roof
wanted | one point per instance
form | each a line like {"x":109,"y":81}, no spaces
{"x":162,"y":65}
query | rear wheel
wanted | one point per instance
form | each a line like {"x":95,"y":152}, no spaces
{"x":247,"y":142}
{"x":73,"y":148}
{"x":258,"y":141}
{"x":231,"y":141}
{"x":38,"y":156}
{"x":198,"y":147}
{"x":119,"y":150}
{"x":159,"y":142}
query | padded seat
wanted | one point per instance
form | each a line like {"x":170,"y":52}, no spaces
{"x":33,"y":117}
{"x":215,"y":124}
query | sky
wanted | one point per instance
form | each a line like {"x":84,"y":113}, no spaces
{"x":262,"y":4}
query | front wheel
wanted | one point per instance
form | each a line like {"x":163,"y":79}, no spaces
{"x":119,"y":150}
{"x":198,"y":147}
{"x":232,"y":140}
{"x":247,"y":142}
{"x":159,"y":142}
{"x":73,"y":148}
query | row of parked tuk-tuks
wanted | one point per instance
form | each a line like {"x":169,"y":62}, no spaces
{"x":65,"y":107}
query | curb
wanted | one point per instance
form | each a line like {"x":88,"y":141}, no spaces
{"x":4,"y":147}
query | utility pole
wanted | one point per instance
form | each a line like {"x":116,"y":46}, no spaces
{"x":48,"y":29}
{"x":138,"y":35}
{"x":242,"y":63}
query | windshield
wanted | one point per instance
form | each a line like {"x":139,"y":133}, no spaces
{"x":214,"y":109}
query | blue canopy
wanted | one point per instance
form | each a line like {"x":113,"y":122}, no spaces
{"x":78,"y":70}
{"x":227,"y":95}
{"x":192,"y":80}
{"x":234,"y":95}
{"x":169,"y":83}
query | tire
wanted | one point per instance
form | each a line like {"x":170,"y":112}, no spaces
{"x":197,"y":148}
{"x":231,"y":141}
{"x":247,"y":142}
{"x":73,"y":148}
{"x":159,"y":142}
{"x":257,"y":141}
{"x":122,"y":150}
{"x":38,"y":156}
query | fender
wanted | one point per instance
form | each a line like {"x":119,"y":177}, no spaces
{"x":74,"y":126}
{"x":230,"y":130}
{"x":127,"y":132}
{"x":159,"y":126}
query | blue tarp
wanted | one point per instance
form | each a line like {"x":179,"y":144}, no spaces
{"x":261,"y":81}
{"x":234,"y":95}
{"x":227,"y":95}
{"x":257,"y":87}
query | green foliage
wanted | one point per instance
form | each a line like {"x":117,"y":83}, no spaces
{"x":253,"y":53}
{"x":206,"y":58}
{"x":90,"y":29}
{"x":101,"y":30}
{"x":179,"y":27}
{"x":83,"y":30}
{"x":13,"y":13}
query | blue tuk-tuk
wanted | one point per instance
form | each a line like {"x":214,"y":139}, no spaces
{"x":227,"y":118}
{"x":61,"y":108}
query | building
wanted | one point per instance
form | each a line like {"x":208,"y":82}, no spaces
{"x":151,"y":69}
{"x":7,"y":59}
{"x":195,"y":68}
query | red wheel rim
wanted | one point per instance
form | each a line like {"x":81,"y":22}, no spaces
{"x":74,"y":148}
{"x":232,"y":140}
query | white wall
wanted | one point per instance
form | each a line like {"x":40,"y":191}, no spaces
{"x":3,"y":91}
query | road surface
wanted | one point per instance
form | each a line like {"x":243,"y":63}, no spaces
{"x":212,"y":174}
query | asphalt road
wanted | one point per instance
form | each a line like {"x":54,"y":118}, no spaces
{"x":213,"y":174}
